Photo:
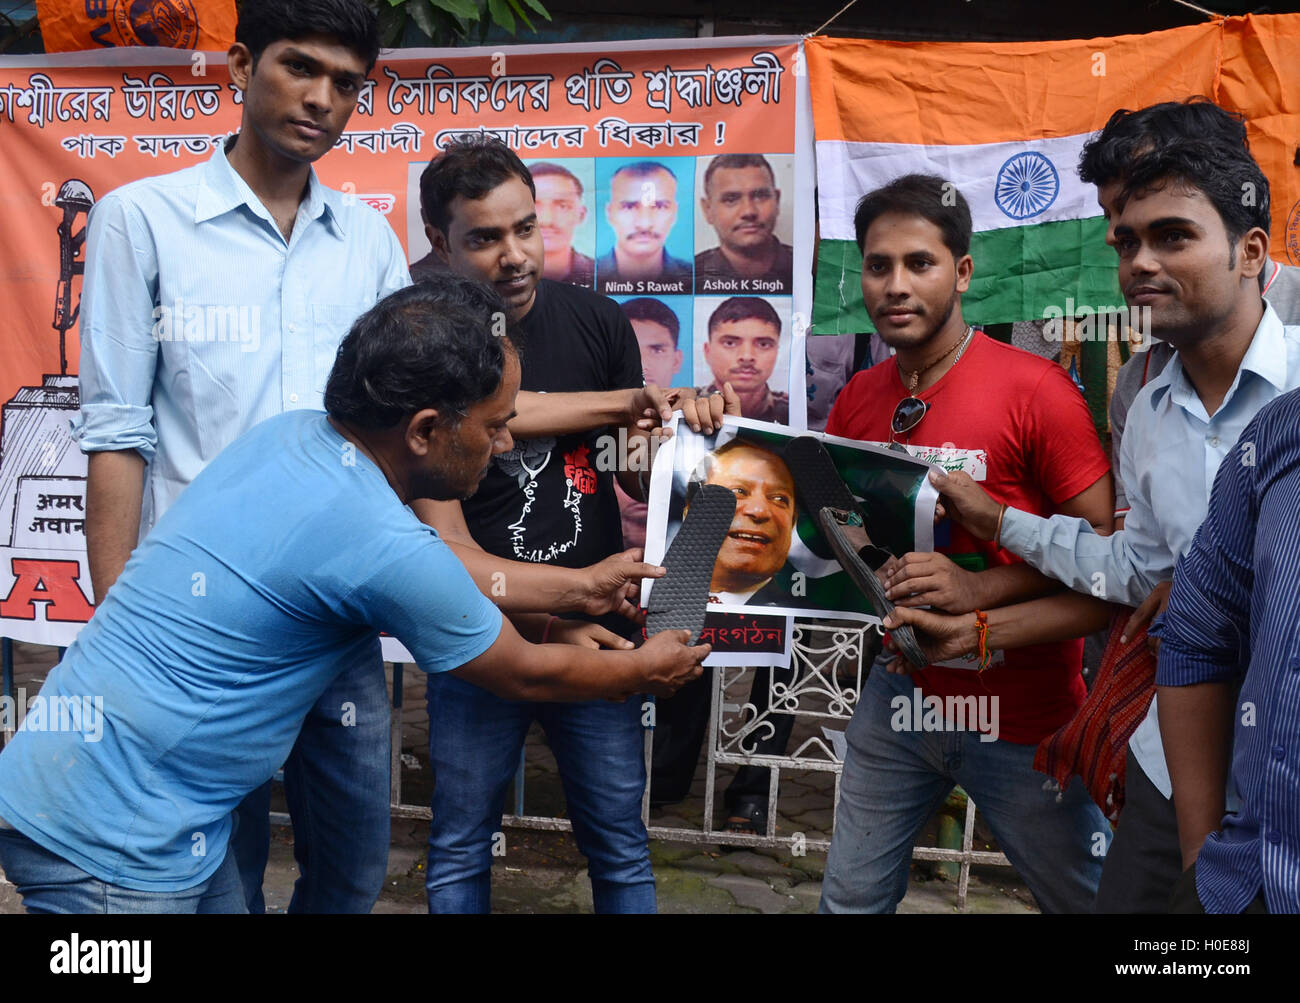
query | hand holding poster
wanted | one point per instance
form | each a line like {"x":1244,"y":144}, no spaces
{"x":774,"y":556}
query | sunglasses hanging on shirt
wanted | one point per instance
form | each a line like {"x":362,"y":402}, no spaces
{"x":911,"y":409}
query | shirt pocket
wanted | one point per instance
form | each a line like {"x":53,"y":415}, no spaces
{"x":218,"y":359}
{"x":330,"y":323}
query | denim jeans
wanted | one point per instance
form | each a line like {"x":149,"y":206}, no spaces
{"x":474,"y":744}
{"x":894,"y":781}
{"x":336,"y":782}
{"x":50,"y":884}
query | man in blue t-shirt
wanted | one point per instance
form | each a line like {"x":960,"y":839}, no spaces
{"x":272,"y":573}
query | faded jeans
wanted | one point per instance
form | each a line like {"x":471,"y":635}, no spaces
{"x":894,"y":781}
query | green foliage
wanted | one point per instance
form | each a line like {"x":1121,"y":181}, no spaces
{"x":453,"y":22}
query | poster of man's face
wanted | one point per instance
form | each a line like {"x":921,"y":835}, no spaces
{"x":743,"y":239}
{"x":744,"y":341}
{"x":661,"y":325}
{"x":774,"y":554}
{"x":564,"y":189}
{"x":645,"y":243}
{"x":758,"y":543}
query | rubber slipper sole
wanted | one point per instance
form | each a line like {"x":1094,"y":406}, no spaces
{"x":680,"y":600}
{"x":818,"y":483}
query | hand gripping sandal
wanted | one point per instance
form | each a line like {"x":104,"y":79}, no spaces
{"x":680,"y":599}
{"x":828,"y":502}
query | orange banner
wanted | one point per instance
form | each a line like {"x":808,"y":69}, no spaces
{"x":70,"y":25}
{"x":1259,"y":79}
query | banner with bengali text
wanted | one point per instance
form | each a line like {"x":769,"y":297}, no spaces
{"x":75,"y":126}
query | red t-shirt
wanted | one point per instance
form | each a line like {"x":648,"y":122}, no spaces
{"x":1027,"y":415}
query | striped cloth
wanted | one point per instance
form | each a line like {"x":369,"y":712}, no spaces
{"x":1092,"y":743}
{"x":1232,"y":614}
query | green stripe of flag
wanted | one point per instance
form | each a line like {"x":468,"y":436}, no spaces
{"x":1020,"y":271}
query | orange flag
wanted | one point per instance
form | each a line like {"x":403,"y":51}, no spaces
{"x":68,"y":25}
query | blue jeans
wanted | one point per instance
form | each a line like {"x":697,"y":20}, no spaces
{"x":894,"y":781}
{"x":50,"y":884}
{"x":474,"y":744}
{"x":336,"y":782}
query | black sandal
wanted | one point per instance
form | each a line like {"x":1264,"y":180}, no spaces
{"x":828,"y":502}
{"x":749,"y":818}
{"x":680,"y":599}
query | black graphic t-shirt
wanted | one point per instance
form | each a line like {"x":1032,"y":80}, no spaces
{"x":547,"y":500}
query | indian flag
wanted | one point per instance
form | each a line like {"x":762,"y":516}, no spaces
{"x":1005,"y":123}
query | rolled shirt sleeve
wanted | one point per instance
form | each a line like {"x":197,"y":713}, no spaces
{"x":428,"y":601}
{"x":1123,"y":567}
{"x":119,"y":353}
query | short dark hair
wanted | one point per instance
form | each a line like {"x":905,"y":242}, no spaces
{"x":264,"y":22}
{"x":1224,"y":175}
{"x":470,"y":167}
{"x":744,"y":308}
{"x":926,"y":195}
{"x":436,"y":344}
{"x":546,"y":169}
{"x":642,"y":169}
{"x":735,"y":162}
{"x":648,"y":308}
{"x":703,"y":470}
{"x":1127,"y":134}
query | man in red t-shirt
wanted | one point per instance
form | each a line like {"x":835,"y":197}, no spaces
{"x":1016,"y":422}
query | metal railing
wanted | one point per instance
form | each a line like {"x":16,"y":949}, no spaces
{"x":828,"y":660}
{"x":829,"y":673}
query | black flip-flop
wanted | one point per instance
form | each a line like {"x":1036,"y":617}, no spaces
{"x":828,"y":502}
{"x":680,"y":599}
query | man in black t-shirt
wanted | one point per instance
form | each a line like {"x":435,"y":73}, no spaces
{"x":548,"y":500}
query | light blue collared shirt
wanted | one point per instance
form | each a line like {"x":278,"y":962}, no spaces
{"x":198,"y":319}
{"x":1169,"y":455}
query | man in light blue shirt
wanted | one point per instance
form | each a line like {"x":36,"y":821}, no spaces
{"x":270,"y":577}
{"x":1183,"y":218}
{"x":215,"y":297}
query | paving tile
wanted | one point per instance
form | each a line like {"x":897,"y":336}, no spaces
{"x":753,"y":894}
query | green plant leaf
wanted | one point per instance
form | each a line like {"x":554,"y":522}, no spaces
{"x":519,"y":12}
{"x":392,"y":22}
{"x":464,"y":10}
{"x":537,"y":6}
{"x":500,"y":12}
{"x":423,"y":18}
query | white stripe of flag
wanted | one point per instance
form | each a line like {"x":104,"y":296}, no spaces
{"x":1006,"y":184}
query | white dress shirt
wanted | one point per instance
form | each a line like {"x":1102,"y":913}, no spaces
{"x":198,"y":318}
{"x":1168,"y":458}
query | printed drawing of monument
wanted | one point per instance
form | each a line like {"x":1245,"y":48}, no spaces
{"x":42,"y":471}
